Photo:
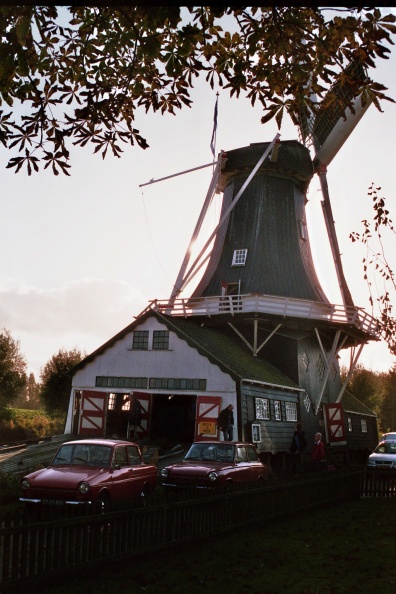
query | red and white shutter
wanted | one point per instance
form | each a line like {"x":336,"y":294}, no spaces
{"x":208,"y":409}
{"x":93,"y":413}
{"x":334,"y":417}
{"x":145,"y":404}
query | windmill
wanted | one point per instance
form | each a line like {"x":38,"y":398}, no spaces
{"x":260,"y":283}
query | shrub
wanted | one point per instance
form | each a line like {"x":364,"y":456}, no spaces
{"x":9,"y":488}
{"x":20,"y":424}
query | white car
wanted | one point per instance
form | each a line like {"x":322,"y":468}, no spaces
{"x":383,"y":457}
{"x":389,"y":437}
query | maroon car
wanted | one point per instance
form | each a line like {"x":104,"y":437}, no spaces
{"x":208,"y":464}
{"x":84,"y":471}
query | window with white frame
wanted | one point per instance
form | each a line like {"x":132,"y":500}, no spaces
{"x":239,"y":257}
{"x":262,"y":409}
{"x":349,"y":424}
{"x":363,"y":423}
{"x":291,"y":411}
{"x":277,"y":410}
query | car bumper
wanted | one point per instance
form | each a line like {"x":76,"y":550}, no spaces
{"x":53,"y":502}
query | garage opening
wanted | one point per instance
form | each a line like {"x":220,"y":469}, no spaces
{"x":173,"y":417}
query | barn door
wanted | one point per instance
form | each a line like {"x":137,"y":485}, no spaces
{"x":93,"y":413}
{"x":208,"y":409}
{"x":145,"y":404}
{"x":334,"y":418}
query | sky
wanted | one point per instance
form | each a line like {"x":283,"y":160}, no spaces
{"x":82,"y":256}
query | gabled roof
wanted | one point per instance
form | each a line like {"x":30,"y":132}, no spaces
{"x":230,"y":355}
{"x":352,"y":405}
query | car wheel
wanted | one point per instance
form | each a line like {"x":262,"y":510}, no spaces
{"x":105,"y":502}
{"x":229,"y":487}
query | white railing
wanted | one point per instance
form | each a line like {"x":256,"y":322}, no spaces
{"x":271,"y":305}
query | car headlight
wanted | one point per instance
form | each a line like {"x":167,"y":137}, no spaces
{"x":25,"y":484}
{"x":213,"y":476}
{"x":83,"y":487}
{"x":164,"y":473}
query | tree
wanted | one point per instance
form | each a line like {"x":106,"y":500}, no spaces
{"x":29,"y":396}
{"x":56,"y":379}
{"x":81,"y":72}
{"x":367,"y":386}
{"x":377,"y":270}
{"x":388,"y":405}
{"x":12,"y":369}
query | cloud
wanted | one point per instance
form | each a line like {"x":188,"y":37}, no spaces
{"x":82,"y":314}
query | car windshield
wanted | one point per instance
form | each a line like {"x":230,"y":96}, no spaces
{"x":211,"y":452}
{"x":386,"y":448}
{"x":83,"y":454}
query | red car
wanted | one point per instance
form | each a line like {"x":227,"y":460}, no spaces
{"x":84,"y":471}
{"x":208,"y":464}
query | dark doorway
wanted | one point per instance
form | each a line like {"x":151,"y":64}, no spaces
{"x":173,"y":417}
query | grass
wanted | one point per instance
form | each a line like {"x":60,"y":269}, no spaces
{"x":343,"y":549}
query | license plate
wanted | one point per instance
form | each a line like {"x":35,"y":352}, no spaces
{"x":56,"y":502}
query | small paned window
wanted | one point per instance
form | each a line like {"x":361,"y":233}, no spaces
{"x":239,"y":257}
{"x":111,"y":404}
{"x":160,"y":340}
{"x":170,"y":383}
{"x":307,"y":402}
{"x":262,"y":409}
{"x":277,"y":410}
{"x":291,"y":411}
{"x":140,"y":340}
{"x":305,"y":360}
{"x":349,"y":424}
{"x":321,"y":366}
{"x":120,"y":382}
{"x":363,"y":423}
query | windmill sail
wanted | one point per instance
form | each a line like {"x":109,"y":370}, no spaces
{"x":337,"y":115}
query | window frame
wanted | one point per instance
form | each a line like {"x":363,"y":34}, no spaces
{"x":142,"y":340}
{"x":160,"y":340}
{"x":262,"y":409}
{"x":239,"y":257}
{"x":291,"y":412}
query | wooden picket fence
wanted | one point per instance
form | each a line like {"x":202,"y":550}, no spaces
{"x":378,"y":485}
{"x":33,"y":547}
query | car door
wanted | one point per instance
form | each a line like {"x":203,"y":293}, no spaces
{"x":242,"y":465}
{"x":256,"y":467}
{"x":123,"y":475}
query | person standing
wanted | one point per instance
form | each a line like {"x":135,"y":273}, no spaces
{"x":134,"y":416}
{"x":297,"y":448}
{"x":318,"y":455}
{"x":225,"y":422}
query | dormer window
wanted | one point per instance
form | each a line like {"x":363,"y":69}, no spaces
{"x":239,"y":258}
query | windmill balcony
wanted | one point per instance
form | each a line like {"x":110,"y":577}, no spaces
{"x":270,"y":305}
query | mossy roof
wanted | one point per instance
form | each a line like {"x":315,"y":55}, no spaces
{"x":351,"y":404}
{"x":230,"y":355}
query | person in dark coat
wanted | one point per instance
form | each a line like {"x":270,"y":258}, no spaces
{"x":134,"y":416}
{"x":297,"y":448}
{"x":225,"y":422}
